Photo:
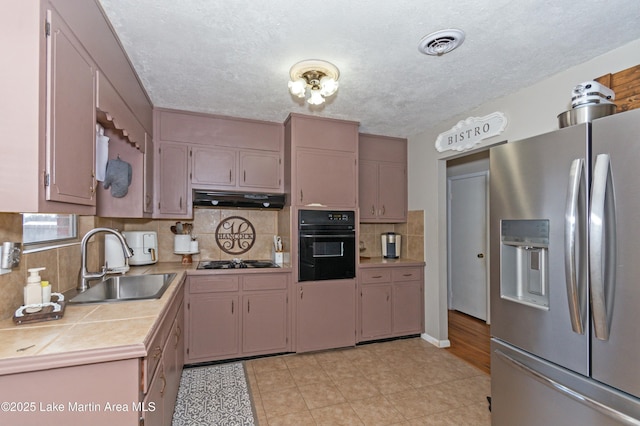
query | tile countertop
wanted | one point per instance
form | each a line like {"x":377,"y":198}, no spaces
{"x":375,"y":262}
{"x":96,"y":332}
{"x":88,"y":333}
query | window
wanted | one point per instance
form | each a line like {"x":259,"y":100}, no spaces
{"x":48,"y":228}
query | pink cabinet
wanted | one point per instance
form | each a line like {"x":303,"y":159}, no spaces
{"x":260,"y":171}
{"x":323,"y":161}
{"x":375,"y":311}
{"x":137,"y":203}
{"x":326,"y":315}
{"x":70,"y":173}
{"x":49,"y":97}
{"x":391,"y":302}
{"x":383,"y":179}
{"x":325,"y":177}
{"x":213,"y":318}
{"x":227,"y":169}
{"x":172,"y":189}
{"x":215,"y":167}
{"x":231,"y":316}
{"x":223,"y":154}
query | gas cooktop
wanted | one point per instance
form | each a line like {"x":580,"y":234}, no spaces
{"x":236,"y":264}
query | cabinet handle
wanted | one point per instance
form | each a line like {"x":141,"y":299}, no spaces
{"x":244,"y":175}
{"x":229,"y":175}
{"x":407,"y":275}
{"x":383,"y":210}
{"x":301,"y":293}
{"x":232,"y":306}
{"x":164,"y":383}
{"x":373,"y":210}
{"x":178,"y":334}
{"x":377,"y":276}
{"x":180,"y":203}
{"x":387,"y":296}
{"x":248,"y":306}
{"x":301,"y":195}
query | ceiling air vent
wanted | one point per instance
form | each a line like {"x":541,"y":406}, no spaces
{"x":441,"y":42}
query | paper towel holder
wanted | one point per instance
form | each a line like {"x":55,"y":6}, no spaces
{"x":9,"y":256}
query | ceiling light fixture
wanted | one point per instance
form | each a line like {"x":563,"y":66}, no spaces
{"x":441,"y":42}
{"x":313,"y":79}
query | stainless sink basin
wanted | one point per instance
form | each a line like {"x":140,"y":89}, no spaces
{"x":126,"y":287}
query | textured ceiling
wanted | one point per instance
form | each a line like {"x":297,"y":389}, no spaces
{"x":232,"y":57}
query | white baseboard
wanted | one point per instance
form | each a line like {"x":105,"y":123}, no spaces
{"x":435,"y":342}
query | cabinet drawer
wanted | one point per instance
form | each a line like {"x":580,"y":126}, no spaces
{"x":406,"y":274}
{"x":210,"y":284}
{"x":264,"y":282}
{"x":368,"y":276}
{"x":155,"y":349}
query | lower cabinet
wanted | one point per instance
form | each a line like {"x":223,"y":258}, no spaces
{"x":131,"y":391}
{"x":167,"y":353}
{"x":231,"y":316}
{"x":326,"y":315}
{"x":391,"y":302}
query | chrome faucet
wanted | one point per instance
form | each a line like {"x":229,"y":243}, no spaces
{"x":86,"y":276}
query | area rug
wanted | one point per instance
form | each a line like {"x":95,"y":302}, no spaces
{"x":214,"y":395}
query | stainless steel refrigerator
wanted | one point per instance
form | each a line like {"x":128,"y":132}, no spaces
{"x":565,"y":276}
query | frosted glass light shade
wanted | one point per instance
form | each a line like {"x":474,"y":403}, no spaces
{"x":328,"y":86}
{"x":316,"y":97}
{"x":298,"y":87}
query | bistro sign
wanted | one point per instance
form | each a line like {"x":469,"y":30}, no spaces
{"x":469,"y":132}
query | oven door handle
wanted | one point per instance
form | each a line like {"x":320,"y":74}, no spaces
{"x":328,"y":236}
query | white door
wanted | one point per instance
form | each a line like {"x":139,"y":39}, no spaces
{"x":467,"y":230}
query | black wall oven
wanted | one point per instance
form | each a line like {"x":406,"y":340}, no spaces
{"x":327,"y":246}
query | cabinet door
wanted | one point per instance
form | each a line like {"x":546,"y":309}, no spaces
{"x":213,"y":327}
{"x":264,"y":322}
{"x":154,"y":401}
{"x":375,"y":311}
{"x":368,"y":189}
{"x":148,"y":176}
{"x":392,"y":193}
{"x":326,"y":315}
{"x":172,"y":177}
{"x":173,"y":360}
{"x":71,"y":117}
{"x":213,"y":166}
{"x":328,"y":178}
{"x":260,"y":170}
{"x":407,"y":308}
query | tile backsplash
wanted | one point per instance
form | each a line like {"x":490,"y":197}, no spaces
{"x":63,"y":263}
{"x":412,"y":233}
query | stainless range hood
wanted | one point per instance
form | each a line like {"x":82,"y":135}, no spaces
{"x":212,"y":199}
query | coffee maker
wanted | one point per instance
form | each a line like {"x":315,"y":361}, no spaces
{"x":391,"y":243}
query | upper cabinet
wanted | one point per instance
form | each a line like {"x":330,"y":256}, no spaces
{"x":223,"y":154}
{"x":71,"y":116}
{"x":58,"y":49}
{"x":383,"y":179}
{"x":171,"y":189}
{"x":323,"y":161}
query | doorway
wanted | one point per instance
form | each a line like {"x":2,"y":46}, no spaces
{"x":467,"y":235}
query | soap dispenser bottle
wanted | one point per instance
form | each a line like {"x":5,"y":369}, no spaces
{"x":33,"y":290}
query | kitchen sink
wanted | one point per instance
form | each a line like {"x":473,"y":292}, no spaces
{"x":126,"y":287}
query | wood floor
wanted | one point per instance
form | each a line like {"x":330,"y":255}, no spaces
{"x":469,"y":339}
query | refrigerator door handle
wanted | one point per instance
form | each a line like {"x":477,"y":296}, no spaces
{"x":620,"y":417}
{"x":602,"y":246}
{"x":571,"y":229}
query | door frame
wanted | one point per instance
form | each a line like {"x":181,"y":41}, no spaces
{"x":486,"y":174}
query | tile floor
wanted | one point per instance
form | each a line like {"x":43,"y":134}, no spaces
{"x":401,"y":382}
